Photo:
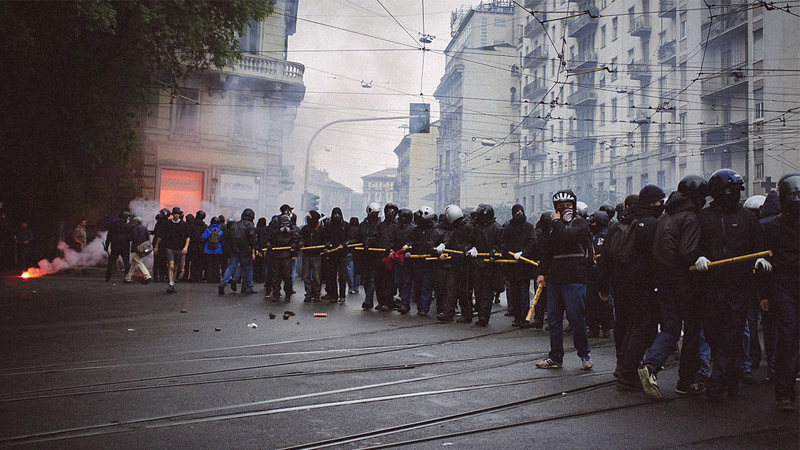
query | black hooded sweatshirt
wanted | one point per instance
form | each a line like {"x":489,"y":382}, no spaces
{"x":676,"y":243}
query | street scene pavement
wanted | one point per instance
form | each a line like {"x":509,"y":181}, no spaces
{"x":95,"y":365}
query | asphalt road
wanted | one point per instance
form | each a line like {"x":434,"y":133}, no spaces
{"x":95,"y":365}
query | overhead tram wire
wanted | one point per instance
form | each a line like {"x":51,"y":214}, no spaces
{"x":398,"y":22}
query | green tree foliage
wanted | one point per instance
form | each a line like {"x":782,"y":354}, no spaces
{"x":75,"y":78}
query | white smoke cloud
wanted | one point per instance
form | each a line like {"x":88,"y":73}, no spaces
{"x":91,"y":255}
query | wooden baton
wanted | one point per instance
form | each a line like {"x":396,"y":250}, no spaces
{"x":536,"y":296}
{"x":735,"y":259}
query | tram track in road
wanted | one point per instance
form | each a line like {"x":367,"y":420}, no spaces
{"x":228,"y":412}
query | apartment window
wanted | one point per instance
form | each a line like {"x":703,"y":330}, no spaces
{"x":603,"y":36}
{"x":643,"y":179}
{"x":662,"y":178}
{"x":614,"y":29}
{"x":601,"y":81}
{"x":243,"y":113}
{"x":613,"y":68}
{"x":499,"y":21}
{"x":187,"y":111}
{"x":758,"y":96}
{"x":683,"y":125}
{"x":682,"y":171}
{"x":631,"y":105}
{"x":629,"y":185}
{"x":602,"y":114}
{"x":560,"y":163}
{"x":613,"y":109}
{"x":250,"y":36}
{"x":684,"y":75}
{"x":632,"y":19}
{"x":541,"y":199}
{"x":758,"y":45}
{"x":683,"y":25}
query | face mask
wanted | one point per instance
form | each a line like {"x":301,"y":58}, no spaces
{"x":567,"y":214}
{"x":730,"y":201}
{"x":657,"y":211}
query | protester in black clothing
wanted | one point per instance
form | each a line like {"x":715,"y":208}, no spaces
{"x":632,"y":281}
{"x":118,"y":240}
{"x":485,"y":240}
{"x":311,"y":236}
{"x":260,"y":264}
{"x":384,"y":277}
{"x":456,"y":268}
{"x":287,"y":239}
{"x":370,"y":260}
{"x":726,"y":230}
{"x":676,"y":245}
{"x":441,"y":233}
{"x":353,"y":258}
{"x":519,"y":238}
{"x":174,"y":241}
{"x":782,"y":288}
{"x":599,"y":306}
{"x":403,"y":273}
{"x":196,"y":254}
{"x":335,"y":234}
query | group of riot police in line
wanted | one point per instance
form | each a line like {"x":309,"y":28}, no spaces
{"x":660,"y":273}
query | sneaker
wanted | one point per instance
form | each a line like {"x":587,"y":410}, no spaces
{"x":171,"y":290}
{"x":508,"y":314}
{"x":127,"y":281}
{"x":690,"y":389}
{"x":463,"y":320}
{"x":442,"y":317}
{"x":786,"y":405}
{"x":586,"y":363}
{"x":342,"y":300}
{"x":146,"y":280}
{"x":233,"y":285}
{"x":267,"y":296}
{"x":481,"y":323}
{"x":221,"y":290}
{"x":333,"y":300}
{"x":649,"y":383}
{"x":287,"y":298}
{"x":516,"y":323}
{"x":366,"y":305}
{"x":404,"y":309}
{"x":538,"y":324}
{"x":548,"y":364}
{"x":385,"y":308}
{"x":422,"y":313}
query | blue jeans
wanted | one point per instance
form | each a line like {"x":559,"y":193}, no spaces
{"x":404,"y":277}
{"x":569,"y":298}
{"x":243,"y":264}
{"x":423,"y":278}
{"x":705,"y":357}
{"x":351,"y":272}
{"x":678,"y":305}
{"x":784,"y":305}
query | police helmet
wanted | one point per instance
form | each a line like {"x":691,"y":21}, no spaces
{"x":789,"y":190}
{"x":724,"y":178}
{"x":484,"y":213}
{"x":426,"y":213}
{"x":754,"y":203}
{"x":453,"y":213}
{"x":582,"y":209}
{"x":405,"y":216}
{"x":693,"y":186}
{"x":373,"y":208}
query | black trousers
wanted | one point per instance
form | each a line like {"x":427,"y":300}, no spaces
{"x":336,"y":274}
{"x":485,"y":285}
{"x":115,"y":254}
{"x":457,"y":291}
{"x":280,"y":271}
{"x":213,"y":268}
{"x":519,"y":298}
{"x":642,"y":327}
{"x":384,"y":285}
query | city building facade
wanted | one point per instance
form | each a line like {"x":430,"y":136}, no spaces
{"x":380,"y":187}
{"x":219,"y":141}
{"x":620,"y":94}
{"x":476,"y":145}
{"x":416,"y":166}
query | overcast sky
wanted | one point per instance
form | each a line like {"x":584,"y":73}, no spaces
{"x":384,"y":54}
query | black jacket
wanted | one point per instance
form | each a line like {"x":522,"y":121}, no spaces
{"x":280,"y":239}
{"x":422,"y":239}
{"x":566,"y":252}
{"x":198,"y":227}
{"x":638,"y":271}
{"x":311,"y":235}
{"x":242,"y":238}
{"x":725,"y":234}
{"x":783,"y":238}
{"x":460,"y":238}
{"x":676,"y":243}
{"x":401,"y":235}
{"x":519,"y":236}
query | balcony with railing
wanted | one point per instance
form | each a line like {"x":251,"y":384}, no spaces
{"x":580,"y":136}
{"x":271,"y":69}
{"x":666,"y":52}
{"x":535,"y":90}
{"x":735,"y":133}
{"x":730,"y":80}
{"x":582,"y":24}
{"x":582,"y":97}
{"x":666,"y":8}
{"x":585,"y":60}
{"x":642,"y":116}
{"x":640,"y":26}
{"x":533,"y":4}
{"x":533,"y":122}
{"x":725,"y":21}
{"x":533,"y":27}
{"x":533,"y":151}
{"x":535,"y":56}
{"x":639,"y":70}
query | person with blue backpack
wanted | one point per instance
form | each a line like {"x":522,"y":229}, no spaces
{"x":212,"y":238}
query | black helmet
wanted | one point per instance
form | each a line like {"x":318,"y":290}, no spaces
{"x":248,"y":214}
{"x":215,"y":221}
{"x":284,"y":221}
{"x":405,"y":216}
{"x":286,"y":209}
{"x":608,"y":210}
{"x":484,"y":213}
{"x":789,"y":191}
{"x":124,"y":216}
{"x":164,"y":212}
{"x":200,"y":215}
{"x":724,"y":178}
{"x":693,"y":186}
{"x":453,"y":213}
{"x":390,"y":209}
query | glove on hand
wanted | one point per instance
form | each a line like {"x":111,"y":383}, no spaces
{"x":763,"y":264}
{"x":473,"y":252}
{"x":440,"y":248}
{"x":702,"y":264}
{"x":517,"y":255}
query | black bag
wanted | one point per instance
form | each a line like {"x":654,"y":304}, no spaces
{"x":213,"y":239}
{"x":620,"y":245}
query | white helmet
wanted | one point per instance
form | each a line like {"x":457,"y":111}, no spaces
{"x":754,"y":203}
{"x":582,"y":209}
{"x":453,"y":213}
{"x":373,"y":208}
{"x":426,"y":212}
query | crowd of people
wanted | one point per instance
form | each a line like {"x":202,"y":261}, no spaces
{"x":654,"y":272}
{"x":16,"y":244}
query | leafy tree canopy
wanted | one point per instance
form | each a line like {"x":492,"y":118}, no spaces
{"x":76,"y":73}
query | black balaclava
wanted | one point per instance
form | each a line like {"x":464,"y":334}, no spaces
{"x":517,"y":213}
{"x":337,"y":217}
{"x":312,"y":218}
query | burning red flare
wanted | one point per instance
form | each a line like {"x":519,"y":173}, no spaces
{"x":30,"y":273}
